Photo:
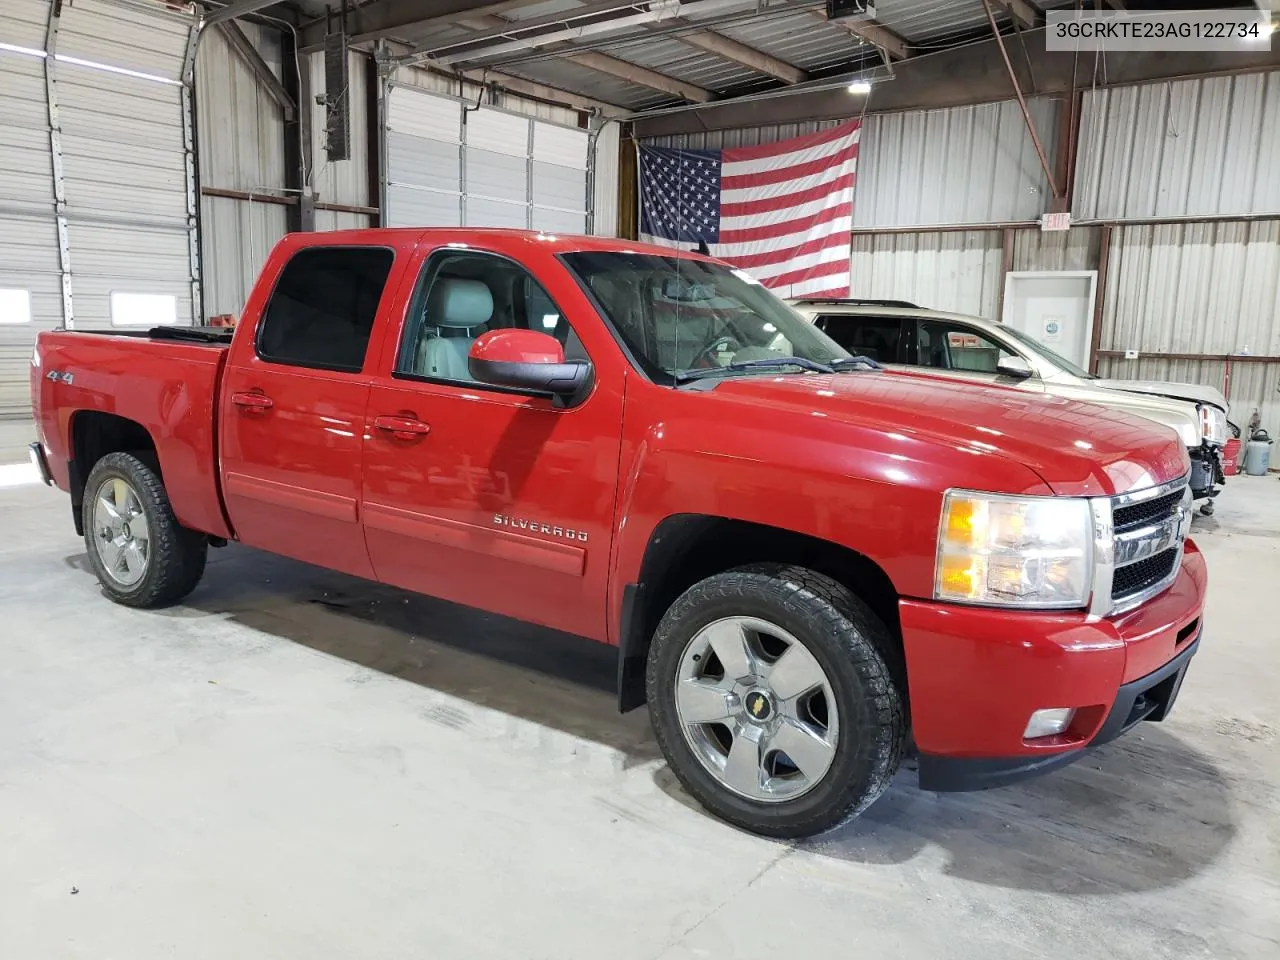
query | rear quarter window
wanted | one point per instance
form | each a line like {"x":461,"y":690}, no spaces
{"x":322,"y":309}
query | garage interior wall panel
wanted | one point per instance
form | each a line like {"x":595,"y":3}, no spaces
{"x":125,"y":169}
{"x":236,"y":237}
{"x":1197,"y":288}
{"x":604,"y":194}
{"x":342,"y":181}
{"x":958,"y":165}
{"x":1201,"y":147}
{"x":958,"y":270}
{"x":241,"y":143}
{"x":1074,"y":249}
{"x":28,"y":232}
{"x":450,"y":163}
{"x":132,"y":34}
{"x":423,"y":159}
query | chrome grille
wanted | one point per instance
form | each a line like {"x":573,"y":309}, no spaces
{"x":1148,"y":528}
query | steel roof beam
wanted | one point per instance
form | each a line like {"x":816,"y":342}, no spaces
{"x":238,"y":9}
{"x":1022,"y":12}
{"x":610,"y":65}
{"x":744,"y":55}
{"x":873,"y":33}
{"x":402,"y":19}
{"x":248,"y":53}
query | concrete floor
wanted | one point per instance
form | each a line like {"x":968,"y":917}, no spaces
{"x":298,"y":764}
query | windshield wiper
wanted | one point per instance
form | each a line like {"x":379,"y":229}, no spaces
{"x":771,"y":363}
{"x":858,"y":361}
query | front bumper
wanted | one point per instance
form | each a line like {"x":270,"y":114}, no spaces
{"x":976,"y":675}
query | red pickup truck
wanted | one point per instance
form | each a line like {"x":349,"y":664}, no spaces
{"x":805,"y":562}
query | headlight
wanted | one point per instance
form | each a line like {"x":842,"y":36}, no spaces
{"x":1014,"y":551}
{"x":1213,"y":425}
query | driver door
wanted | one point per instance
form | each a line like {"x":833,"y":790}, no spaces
{"x":493,"y":497}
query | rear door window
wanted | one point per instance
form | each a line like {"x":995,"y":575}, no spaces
{"x":321,"y":311}
{"x":874,"y":337}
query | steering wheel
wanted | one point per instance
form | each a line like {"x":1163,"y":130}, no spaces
{"x":708,"y":356}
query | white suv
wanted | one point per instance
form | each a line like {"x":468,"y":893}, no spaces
{"x":895,"y":332}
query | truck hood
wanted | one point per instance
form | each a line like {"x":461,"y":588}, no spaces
{"x":1076,"y":448}
{"x":1191,"y":392}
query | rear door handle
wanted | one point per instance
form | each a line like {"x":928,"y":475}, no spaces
{"x":402,"y":428}
{"x":250,"y":402}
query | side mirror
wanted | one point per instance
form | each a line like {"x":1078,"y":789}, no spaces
{"x":1014,"y":367}
{"x":529,"y":360}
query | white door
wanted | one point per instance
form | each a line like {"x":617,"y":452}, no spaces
{"x":1055,"y":308}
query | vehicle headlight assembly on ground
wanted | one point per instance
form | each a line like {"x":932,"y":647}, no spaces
{"x":1213,"y":425}
{"x":996,"y":550}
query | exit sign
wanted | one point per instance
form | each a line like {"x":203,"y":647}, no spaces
{"x":1055,"y":221}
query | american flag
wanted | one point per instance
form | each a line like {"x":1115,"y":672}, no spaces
{"x":782,"y":211}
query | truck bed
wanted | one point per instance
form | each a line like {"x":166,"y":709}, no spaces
{"x":166,"y":380}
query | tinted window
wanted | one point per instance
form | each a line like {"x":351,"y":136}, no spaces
{"x":874,"y":337}
{"x":321,"y":311}
{"x":950,"y":346}
{"x":463,"y":295}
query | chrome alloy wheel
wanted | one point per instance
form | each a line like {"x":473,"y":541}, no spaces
{"x":757,"y":709}
{"x":120,"y":532}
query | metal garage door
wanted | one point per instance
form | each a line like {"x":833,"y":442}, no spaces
{"x":130,"y":204}
{"x":448,"y":165}
{"x":30,"y":275}
{"x":118,"y":188}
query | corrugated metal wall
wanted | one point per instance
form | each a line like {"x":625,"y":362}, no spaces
{"x":1075,"y":249}
{"x":241,"y":143}
{"x":956,"y":270}
{"x":960,"y":165}
{"x":604,"y":200}
{"x":1195,"y":288}
{"x":1204,"y":147}
{"x":1198,"y":288}
{"x":342,"y":181}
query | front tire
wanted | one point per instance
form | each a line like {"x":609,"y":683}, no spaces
{"x":772,"y":701}
{"x":142,"y":556}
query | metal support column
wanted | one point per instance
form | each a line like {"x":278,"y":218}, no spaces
{"x":55,"y":148}
{"x":595,"y":124}
{"x":189,"y":154}
{"x":528,"y":178}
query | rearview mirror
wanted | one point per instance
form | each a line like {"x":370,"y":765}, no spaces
{"x":686,"y":291}
{"x":529,"y":360}
{"x":1014,"y":367}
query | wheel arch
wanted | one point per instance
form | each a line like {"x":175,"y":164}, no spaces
{"x":92,"y":434}
{"x":686,"y":548}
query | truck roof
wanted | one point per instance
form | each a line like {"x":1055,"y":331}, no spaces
{"x":490,"y":237}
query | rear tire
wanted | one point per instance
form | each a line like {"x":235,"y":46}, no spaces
{"x":813,"y":682}
{"x":142,"y":556}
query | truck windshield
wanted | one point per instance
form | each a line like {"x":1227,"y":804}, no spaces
{"x":1062,"y":363}
{"x":680,"y":317}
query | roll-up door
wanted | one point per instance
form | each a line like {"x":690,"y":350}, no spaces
{"x":97,"y":215}
{"x":449,"y":163}
{"x":30,"y":274}
{"x":130,"y":207}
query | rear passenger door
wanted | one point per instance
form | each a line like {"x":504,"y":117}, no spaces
{"x":293,"y":405}
{"x":879,"y":338}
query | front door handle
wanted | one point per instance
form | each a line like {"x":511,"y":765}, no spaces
{"x":402,"y":428}
{"x":252,"y":402}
